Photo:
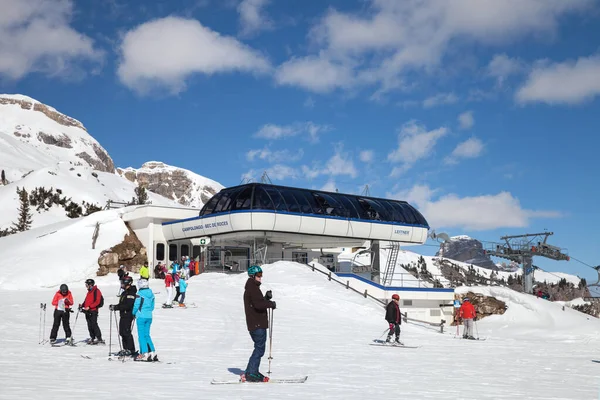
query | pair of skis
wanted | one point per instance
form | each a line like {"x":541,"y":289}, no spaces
{"x":274,"y":380}
{"x":378,"y":342}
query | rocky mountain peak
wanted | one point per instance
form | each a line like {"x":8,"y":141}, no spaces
{"x":466,"y":249}
{"x":181,"y":185}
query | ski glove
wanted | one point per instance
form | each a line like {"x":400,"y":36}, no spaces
{"x":391,"y":326}
{"x":111,"y":307}
{"x":269,"y":295}
{"x":274,"y":306}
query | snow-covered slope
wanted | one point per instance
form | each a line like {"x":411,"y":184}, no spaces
{"x":320,"y":329}
{"x":34,"y":135}
{"x":182,"y":185}
{"x":79,"y":183}
{"x":58,"y":253}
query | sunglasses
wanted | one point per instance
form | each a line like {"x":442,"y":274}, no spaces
{"x":259,"y":275}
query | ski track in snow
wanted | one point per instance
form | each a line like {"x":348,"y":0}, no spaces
{"x":320,"y":330}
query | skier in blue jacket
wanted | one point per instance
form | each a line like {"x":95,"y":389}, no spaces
{"x":142,"y":311}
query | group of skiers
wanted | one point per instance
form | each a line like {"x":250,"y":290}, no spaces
{"x":136,"y":304}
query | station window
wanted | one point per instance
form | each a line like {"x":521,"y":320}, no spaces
{"x":185,"y":250}
{"x":243,"y":200}
{"x":278,"y":200}
{"x":303,"y":202}
{"x":160,"y":252}
{"x":290,"y":200}
{"x":262,"y":200}
{"x":172,"y":252}
{"x":195,"y":252}
{"x":210,"y":206}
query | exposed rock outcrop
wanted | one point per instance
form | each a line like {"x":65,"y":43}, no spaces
{"x":181,"y":185}
{"x":485,"y":305}
{"x":130,"y":252}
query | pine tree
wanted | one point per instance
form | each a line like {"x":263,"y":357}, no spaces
{"x":142,"y":196}
{"x":24,"y":221}
{"x":3,"y":178}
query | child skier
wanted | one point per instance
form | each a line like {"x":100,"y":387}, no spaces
{"x":182,"y":288}
{"x":169,"y":286}
{"x":394,"y":317}
{"x":142,"y":311}
{"x":257,"y":321}
{"x":62,"y":302}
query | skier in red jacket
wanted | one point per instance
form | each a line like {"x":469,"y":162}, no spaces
{"x":92,"y":302}
{"x":467,"y":313}
{"x":62,"y":302}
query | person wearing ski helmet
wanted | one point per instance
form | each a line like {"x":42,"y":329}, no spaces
{"x":93,"y":301}
{"x":62,"y":302}
{"x":142,"y":312}
{"x":394,"y":318}
{"x":121,"y":273}
{"x":467,"y":313}
{"x":257,"y":321}
{"x":125,"y":308}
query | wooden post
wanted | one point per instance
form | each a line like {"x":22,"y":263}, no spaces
{"x":347,"y":284}
{"x":329,"y":275}
{"x":365,"y":293}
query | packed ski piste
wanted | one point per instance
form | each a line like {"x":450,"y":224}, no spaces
{"x":136,"y":303}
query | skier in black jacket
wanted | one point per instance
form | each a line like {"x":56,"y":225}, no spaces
{"x":257,"y":321}
{"x":394,"y":317}
{"x":125,"y":308}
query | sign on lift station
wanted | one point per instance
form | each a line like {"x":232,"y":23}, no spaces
{"x":204,"y":241}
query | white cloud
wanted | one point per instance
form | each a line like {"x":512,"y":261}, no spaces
{"x":163,"y":53}
{"x":316,"y":74}
{"x":330,"y":186}
{"x":440,"y":99}
{"x":501,"y":67}
{"x":276,"y":156}
{"x":36,"y":36}
{"x":366,"y":156}
{"x":470,"y":148}
{"x":312,"y":130}
{"x":339,"y":164}
{"x":415,"y":142}
{"x":466,"y":120}
{"x":309,"y":103}
{"x":478,"y":213}
{"x":277,"y":172}
{"x":570,"y":82}
{"x":252,"y":16}
{"x":392,"y":38}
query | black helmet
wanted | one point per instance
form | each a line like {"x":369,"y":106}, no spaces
{"x":64,"y":288}
{"x":90,"y":282}
{"x":127,"y":280}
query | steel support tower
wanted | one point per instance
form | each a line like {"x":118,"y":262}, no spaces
{"x":522,"y":249}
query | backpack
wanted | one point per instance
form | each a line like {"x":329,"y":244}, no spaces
{"x":101,"y":298}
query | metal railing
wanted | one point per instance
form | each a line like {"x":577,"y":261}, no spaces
{"x":365,"y":294}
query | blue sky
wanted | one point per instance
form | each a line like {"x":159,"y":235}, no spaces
{"x":483,"y":114}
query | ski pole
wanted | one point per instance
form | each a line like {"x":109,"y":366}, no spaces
{"x":110,"y":335}
{"x":270,"y":339}
{"x":73,"y":331}
{"x":117,"y":326}
{"x":44,"y":341}
{"x":40,"y":325}
{"x":476,"y":330}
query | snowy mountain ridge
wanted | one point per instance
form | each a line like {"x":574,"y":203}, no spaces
{"x":42,"y":147}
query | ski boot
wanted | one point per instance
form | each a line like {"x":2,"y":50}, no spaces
{"x":389,"y":339}
{"x":254,"y":377}
{"x":52,"y":341}
{"x":397,"y":341}
{"x":69,"y":342}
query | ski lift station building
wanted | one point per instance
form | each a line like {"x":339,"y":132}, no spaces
{"x":263,"y":223}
